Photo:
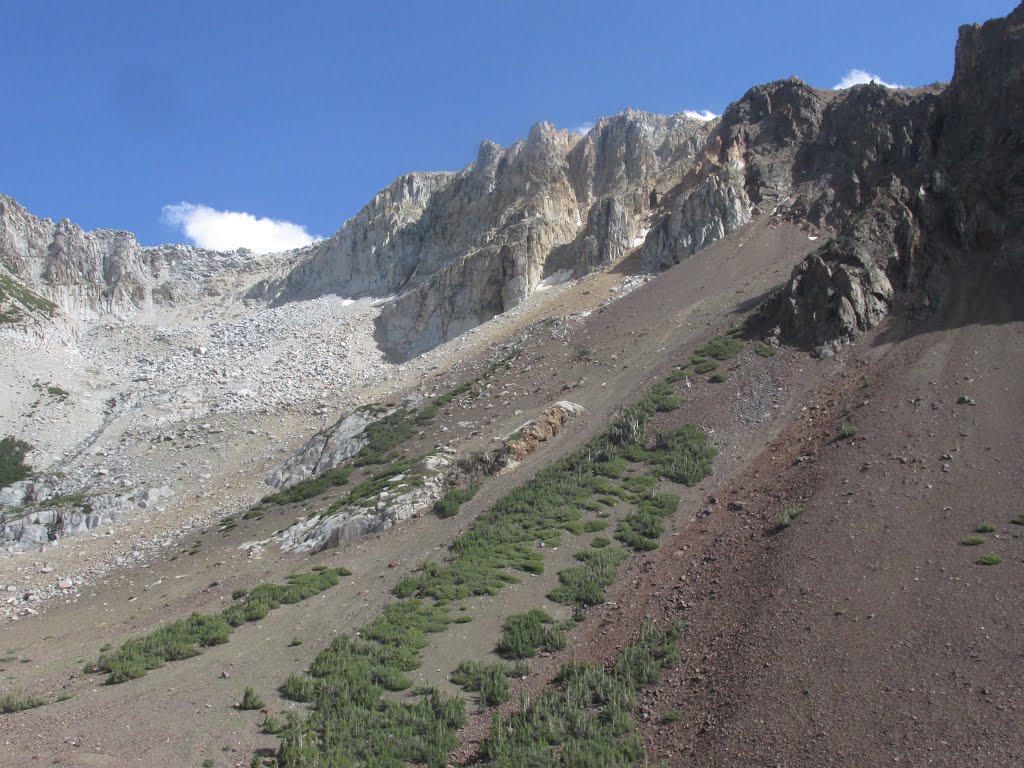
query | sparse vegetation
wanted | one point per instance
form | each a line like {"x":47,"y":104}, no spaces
{"x":250,"y":700}
{"x":593,"y":526}
{"x":764,"y":350}
{"x":670,"y":716}
{"x":787,"y":516}
{"x":586,"y":720}
{"x":15,"y":701}
{"x":185,"y":638}
{"x":706,"y":367}
{"x":310,"y":487}
{"x":526,"y":633}
{"x":847,"y":430}
{"x":985,"y":528}
{"x":972,"y":541}
{"x":455,"y":498}
{"x":350,"y":717}
{"x":352,"y":720}
{"x":1018,"y":520}
{"x":12,"y":461}
{"x":718,"y":378}
{"x":989,"y":559}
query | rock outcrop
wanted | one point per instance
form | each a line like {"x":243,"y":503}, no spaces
{"x":913,"y":182}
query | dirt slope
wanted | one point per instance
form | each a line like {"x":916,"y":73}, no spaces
{"x":863,"y":634}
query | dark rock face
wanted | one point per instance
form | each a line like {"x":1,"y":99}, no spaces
{"x":912,"y":181}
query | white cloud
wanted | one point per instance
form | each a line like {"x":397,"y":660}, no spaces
{"x":227,"y":230}
{"x":583,"y":128}
{"x":705,"y":115}
{"x":861,"y":77}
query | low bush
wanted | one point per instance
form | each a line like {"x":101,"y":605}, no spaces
{"x":14,"y":701}
{"x":250,"y":700}
{"x":185,"y":638}
{"x":490,"y":680}
{"x":455,"y":498}
{"x":787,"y":516}
{"x":12,"y":461}
{"x":721,"y":348}
{"x":586,"y":720}
{"x":311,"y":487}
{"x":526,"y":633}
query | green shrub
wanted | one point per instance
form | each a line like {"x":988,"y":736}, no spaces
{"x":600,"y":542}
{"x":250,"y":700}
{"x":985,"y":528}
{"x":706,"y":367}
{"x":587,"y":719}
{"x":455,"y":498}
{"x":989,"y":560}
{"x":846,"y":430}
{"x":718,"y":378}
{"x":585,"y":585}
{"x":593,"y":526}
{"x":14,"y":701}
{"x":972,"y":541}
{"x":526,"y":633}
{"x":787,"y":516}
{"x":721,"y":348}
{"x":489,"y":680}
{"x":185,"y":638}
{"x":310,"y":487}
{"x":764,"y":350}
{"x":12,"y":461}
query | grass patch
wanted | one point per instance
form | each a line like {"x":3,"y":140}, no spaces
{"x":453,"y":499}
{"x":12,"y":461}
{"x":586,"y":720}
{"x":985,"y":528}
{"x":600,"y":542}
{"x":490,"y":680}
{"x":989,"y":559}
{"x":185,"y":638}
{"x":972,"y":541}
{"x":593,"y":526}
{"x":524,"y":634}
{"x":1018,"y":520}
{"x":718,"y":378}
{"x":706,"y":367}
{"x":15,"y":701}
{"x":764,"y":350}
{"x":641,"y":528}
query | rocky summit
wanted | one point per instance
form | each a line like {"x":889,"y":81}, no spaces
{"x":683,"y":440}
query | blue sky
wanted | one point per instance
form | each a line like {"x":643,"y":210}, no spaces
{"x":300,"y":111}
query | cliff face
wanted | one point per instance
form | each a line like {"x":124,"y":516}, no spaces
{"x":928,"y":179}
{"x":456,"y":249}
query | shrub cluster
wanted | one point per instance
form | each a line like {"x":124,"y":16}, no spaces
{"x":526,"y":633}
{"x":586,"y":720}
{"x":185,"y":638}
